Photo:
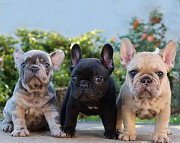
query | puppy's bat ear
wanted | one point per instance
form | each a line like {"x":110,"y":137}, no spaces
{"x":168,"y":54}
{"x":57,"y":58}
{"x":107,"y":57}
{"x":18,"y":54}
{"x":127,"y":51}
{"x":76,"y":55}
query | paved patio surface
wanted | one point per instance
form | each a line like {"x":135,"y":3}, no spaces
{"x":88,"y":132}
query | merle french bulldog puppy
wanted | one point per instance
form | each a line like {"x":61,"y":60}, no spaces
{"x":91,"y":91}
{"x":33,"y":104}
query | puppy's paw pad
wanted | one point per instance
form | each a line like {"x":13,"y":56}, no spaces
{"x":7,"y":127}
{"x":127,"y":137}
{"x":161,"y":138}
{"x":169,"y":132}
{"x":20,"y":133}
{"x":58,"y":133}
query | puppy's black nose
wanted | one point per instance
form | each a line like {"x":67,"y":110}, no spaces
{"x":34,"y":69}
{"x":146,"y":81}
{"x":84,"y":86}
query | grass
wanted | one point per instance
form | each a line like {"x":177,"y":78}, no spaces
{"x":174,"y":119}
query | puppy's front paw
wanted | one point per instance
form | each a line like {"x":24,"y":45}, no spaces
{"x":7,"y":127}
{"x":70,"y":131}
{"x":110,"y":135}
{"x":58,"y":133}
{"x":127,"y":136}
{"x":20,"y":133}
{"x":161,"y":138}
{"x":119,"y":130}
{"x":169,"y":132}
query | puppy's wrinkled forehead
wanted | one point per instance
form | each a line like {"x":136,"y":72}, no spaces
{"x":35,"y":57}
{"x":89,"y":66}
{"x":147,"y":62}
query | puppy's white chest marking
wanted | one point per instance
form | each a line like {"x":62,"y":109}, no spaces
{"x":92,"y":107}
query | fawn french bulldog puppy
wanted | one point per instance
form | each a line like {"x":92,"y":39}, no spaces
{"x":33,"y":104}
{"x":146,"y":93}
{"x":91,"y":91}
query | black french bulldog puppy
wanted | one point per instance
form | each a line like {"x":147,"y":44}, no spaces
{"x":91,"y":91}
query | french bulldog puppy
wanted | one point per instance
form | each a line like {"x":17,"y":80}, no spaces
{"x":146,"y":93}
{"x":91,"y":91}
{"x":33,"y":104}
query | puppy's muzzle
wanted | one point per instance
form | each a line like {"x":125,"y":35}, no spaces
{"x":146,"y":81}
{"x":84,"y":86}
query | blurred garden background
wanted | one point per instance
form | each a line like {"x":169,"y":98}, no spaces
{"x":149,"y":29}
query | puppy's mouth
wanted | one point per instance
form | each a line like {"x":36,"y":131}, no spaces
{"x":146,"y":93}
{"x":86,"y":96}
{"x":35,"y":83}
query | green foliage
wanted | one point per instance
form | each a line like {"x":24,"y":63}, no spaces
{"x":8,"y":74}
{"x":90,"y":118}
{"x":176,"y":83}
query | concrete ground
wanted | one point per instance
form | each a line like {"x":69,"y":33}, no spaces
{"x":88,"y":132}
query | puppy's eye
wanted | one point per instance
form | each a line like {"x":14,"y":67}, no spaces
{"x":98,"y":79}
{"x":133,"y":73}
{"x":73,"y":78}
{"x":47,"y":65}
{"x":23,"y":65}
{"x":160,"y":74}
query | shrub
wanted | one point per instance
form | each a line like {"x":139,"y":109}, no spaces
{"x":7,"y":70}
{"x":90,"y":43}
{"x":176,"y":83}
{"x":147,"y":36}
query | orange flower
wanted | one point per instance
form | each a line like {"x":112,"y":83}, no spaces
{"x":113,"y":39}
{"x":136,"y":23}
{"x":159,"y":43}
{"x":144,"y":35}
{"x":150,"y":38}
